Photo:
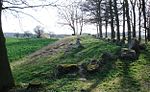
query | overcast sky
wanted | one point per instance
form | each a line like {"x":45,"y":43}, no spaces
{"x":48,"y":18}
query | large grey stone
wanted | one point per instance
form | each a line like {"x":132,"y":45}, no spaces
{"x":128,"y":54}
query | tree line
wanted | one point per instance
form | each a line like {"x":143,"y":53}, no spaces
{"x":127,"y":19}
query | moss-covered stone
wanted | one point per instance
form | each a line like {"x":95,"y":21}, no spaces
{"x":93,"y":66}
{"x":128,"y":54}
{"x":67,"y":69}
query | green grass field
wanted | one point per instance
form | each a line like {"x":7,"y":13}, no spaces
{"x":119,"y":76}
{"x":21,"y":47}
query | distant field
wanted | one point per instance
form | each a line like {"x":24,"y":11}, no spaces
{"x":19,"y":48}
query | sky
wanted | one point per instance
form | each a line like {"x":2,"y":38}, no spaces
{"x":45,"y":17}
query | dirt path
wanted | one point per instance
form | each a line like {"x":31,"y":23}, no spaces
{"x":53,"y":48}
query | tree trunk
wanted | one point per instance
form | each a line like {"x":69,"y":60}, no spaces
{"x":100,"y":28}
{"x":106,"y":20}
{"x":74,"y":30}
{"x":6,"y":78}
{"x":124,"y":22}
{"x":133,"y":3}
{"x":134,"y":24}
{"x":97,"y":28}
{"x":117,"y":19}
{"x":139,"y":26}
{"x":128,"y":21}
{"x":81,"y":31}
{"x":148,"y":31}
{"x":81,"y":28}
{"x":112,"y":20}
{"x":144,"y":15}
{"x":139,"y":20}
{"x":100,"y":19}
{"x":106,"y":25}
{"x":81,"y":24}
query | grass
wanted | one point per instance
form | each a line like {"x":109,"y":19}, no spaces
{"x":118,"y":76}
{"x":21,"y":47}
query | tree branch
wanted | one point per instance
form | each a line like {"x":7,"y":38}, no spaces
{"x":17,"y":11}
{"x":29,"y":6}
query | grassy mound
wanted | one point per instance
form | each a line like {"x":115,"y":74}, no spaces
{"x":118,"y":76}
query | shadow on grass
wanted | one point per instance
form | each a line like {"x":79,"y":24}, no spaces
{"x":128,"y":83}
{"x":101,"y":75}
{"x":147,"y":55}
{"x":144,"y":72}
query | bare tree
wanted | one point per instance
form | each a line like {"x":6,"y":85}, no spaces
{"x":68,"y":17}
{"x":39,"y":31}
{"x":72,"y":16}
{"x":6,"y":78}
